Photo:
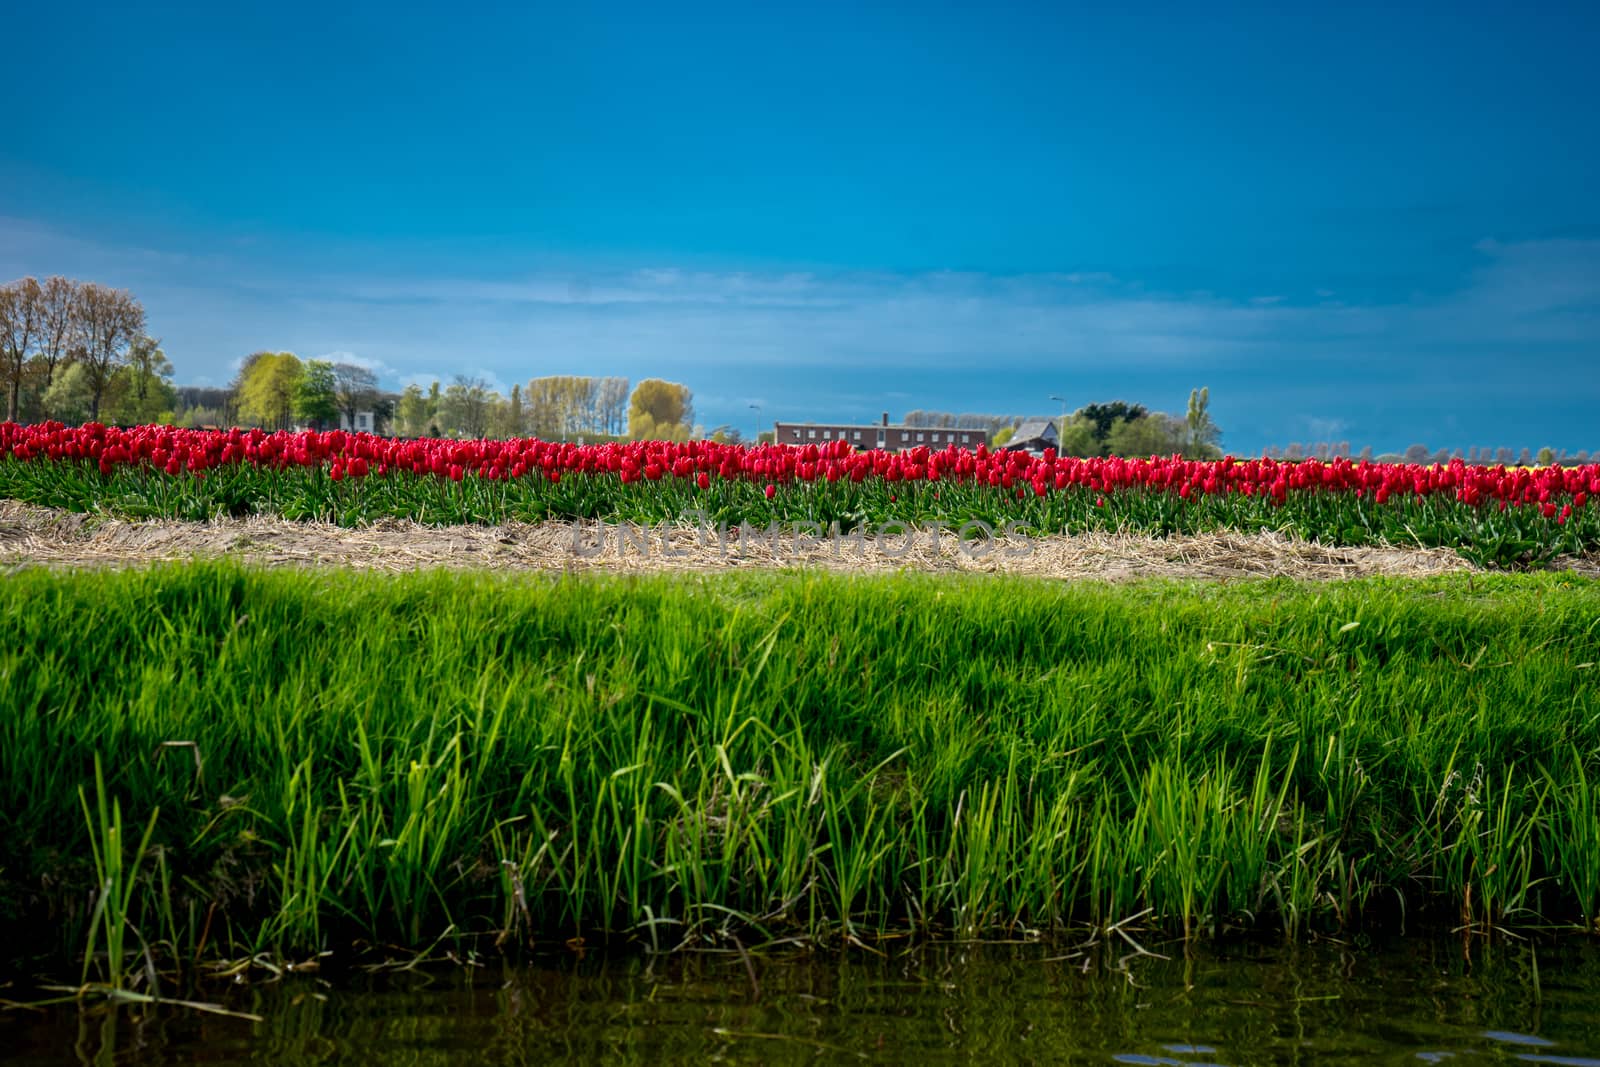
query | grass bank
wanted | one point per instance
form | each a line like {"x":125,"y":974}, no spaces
{"x":327,"y":760}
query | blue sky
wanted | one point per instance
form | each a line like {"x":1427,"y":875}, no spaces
{"x":1362,"y":223}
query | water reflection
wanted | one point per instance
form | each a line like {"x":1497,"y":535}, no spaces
{"x":1409,"y":1003}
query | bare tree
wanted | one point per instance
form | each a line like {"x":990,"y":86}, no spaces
{"x":1203,"y":435}
{"x":354,"y":389}
{"x":21,"y":309}
{"x":110,"y":320}
{"x":613,"y":404}
{"x":584,"y":409}
{"x":59,"y":326}
{"x":465,"y":407}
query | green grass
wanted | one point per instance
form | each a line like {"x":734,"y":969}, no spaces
{"x":342,"y":760}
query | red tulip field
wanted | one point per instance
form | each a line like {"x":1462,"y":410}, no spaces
{"x":1492,"y":515}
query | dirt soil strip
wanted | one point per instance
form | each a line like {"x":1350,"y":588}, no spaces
{"x":33,"y":536}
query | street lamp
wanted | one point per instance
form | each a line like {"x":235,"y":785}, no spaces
{"x":1063,"y":402}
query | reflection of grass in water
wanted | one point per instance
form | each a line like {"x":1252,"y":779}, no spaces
{"x":1571,"y":833}
{"x":115,"y":879}
{"x":458,"y":759}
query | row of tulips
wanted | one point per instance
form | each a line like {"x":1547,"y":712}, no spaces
{"x":1506,"y":514}
{"x":177,"y":451}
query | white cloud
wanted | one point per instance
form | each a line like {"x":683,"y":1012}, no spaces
{"x":376,"y":366}
{"x":1325,"y":428}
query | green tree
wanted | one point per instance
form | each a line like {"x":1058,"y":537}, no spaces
{"x":660,"y":410}
{"x":414,"y":412}
{"x":143,"y":387}
{"x":70,"y":396}
{"x":1077,"y":438}
{"x":141,"y":391}
{"x":316,"y":401}
{"x":1106,"y":416}
{"x":1156,"y":434}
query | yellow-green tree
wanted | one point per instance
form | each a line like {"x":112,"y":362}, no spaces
{"x":660,"y":410}
{"x":69,"y":395}
{"x":414,"y":412}
{"x":268,"y":385}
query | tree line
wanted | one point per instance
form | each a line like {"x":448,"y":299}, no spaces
{"x":277,"y":390}
{"x":945,"y":420}
{"x":74,"y":350}
{"x":1117,"y":428}
{"x":552,"y":407}
{"x":1421,"y":454}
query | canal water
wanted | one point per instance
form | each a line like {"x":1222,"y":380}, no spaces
{"x":1408,"y":1003}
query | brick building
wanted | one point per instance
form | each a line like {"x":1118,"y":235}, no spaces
{"x":877,"y":435}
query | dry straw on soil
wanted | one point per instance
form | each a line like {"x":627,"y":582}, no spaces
{"x":45,"y":537}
